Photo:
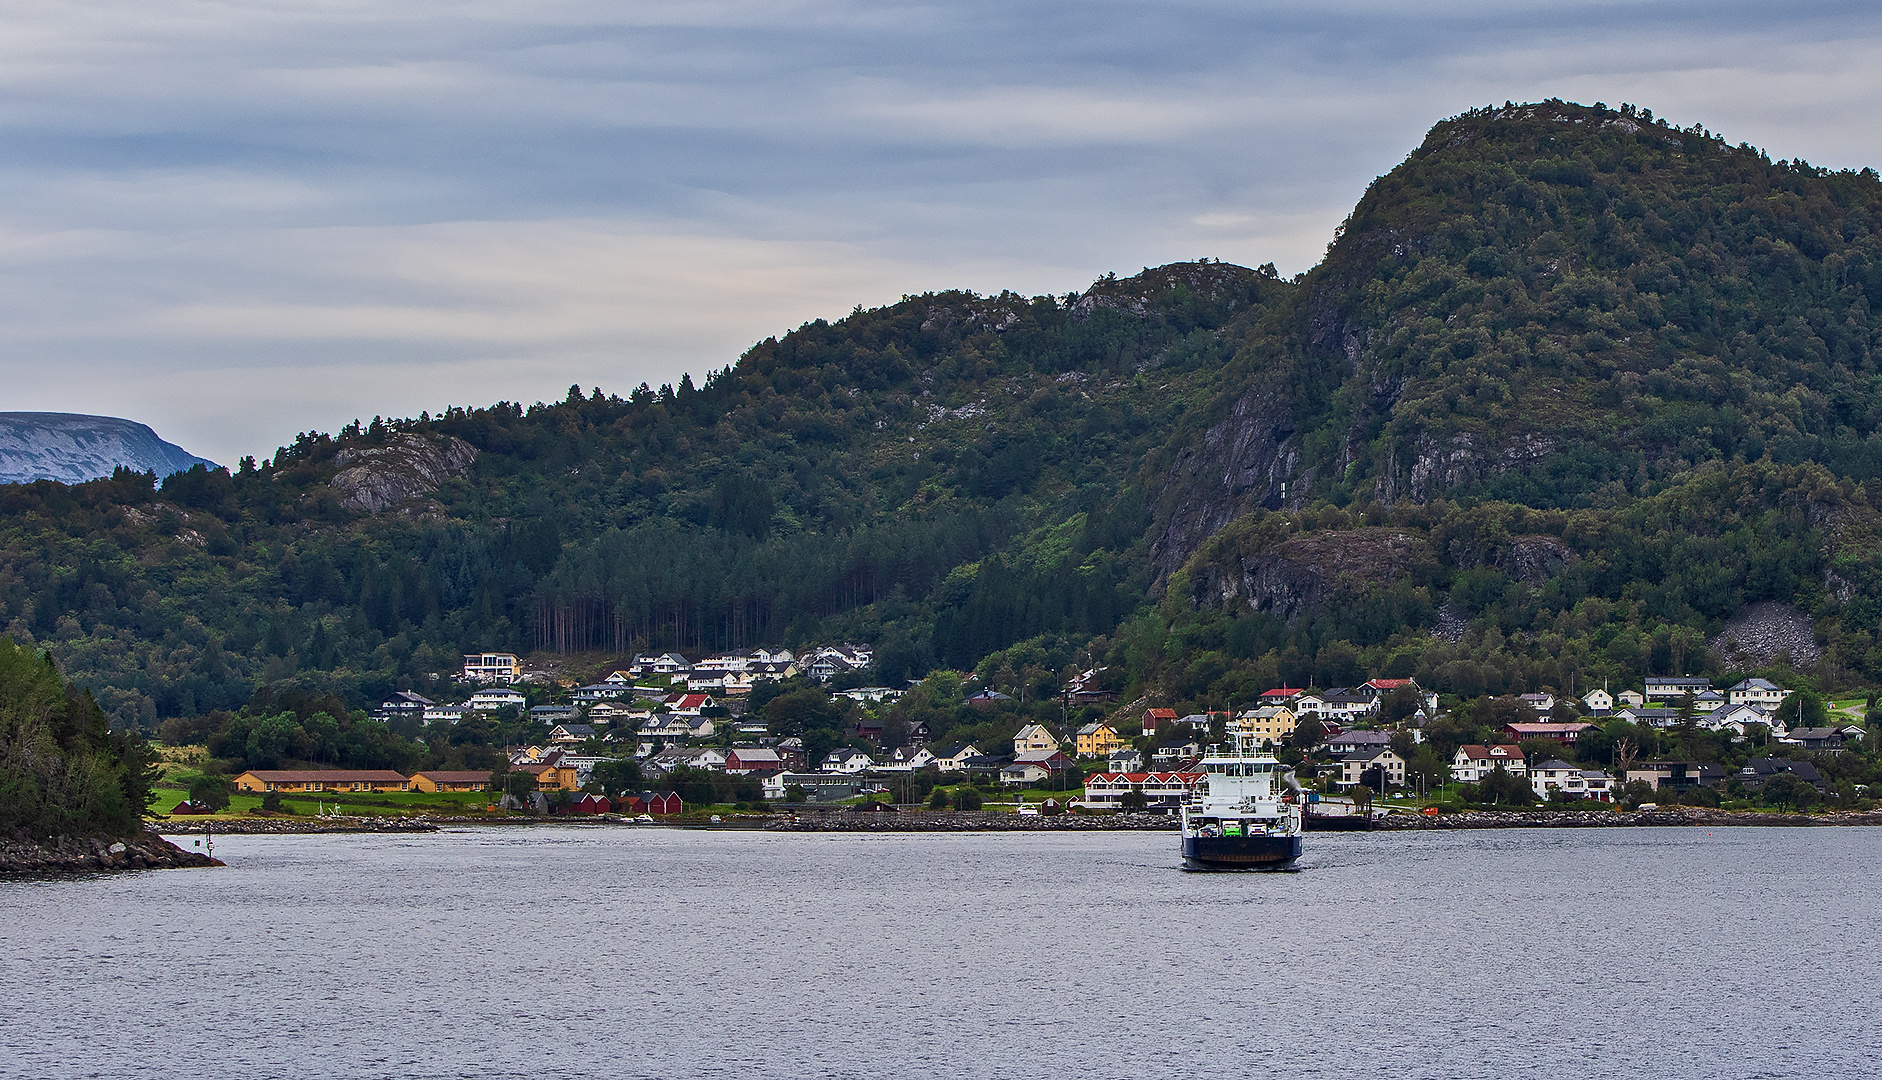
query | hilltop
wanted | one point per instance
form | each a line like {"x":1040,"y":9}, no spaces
{"x":73,"y":448}
{"x":1571,"y":388}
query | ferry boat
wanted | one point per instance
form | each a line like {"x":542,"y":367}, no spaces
{"x":1238,"y":817}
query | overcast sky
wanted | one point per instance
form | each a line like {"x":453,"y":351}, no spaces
{"x":237,"y":221}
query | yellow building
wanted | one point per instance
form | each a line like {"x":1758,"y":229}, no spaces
{"x":552,"y":777}
{"x":1270,"y":723}
{"x":1096,"y":740}
{"x":450,"y":781}
{"x":309,"y":780}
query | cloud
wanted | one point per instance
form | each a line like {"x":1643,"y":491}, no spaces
{"x":239,"y":221}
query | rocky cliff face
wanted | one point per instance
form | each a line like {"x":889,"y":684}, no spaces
{"x":1300,"y":573}
{"x":408,"y":466}
{"x":73,"y":448}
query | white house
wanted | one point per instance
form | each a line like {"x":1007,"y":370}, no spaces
{"x":1353,"y":767}
{"x":1673,"y":687}
{"x":1553,"y":775}
{"x":908,"y":759}
{"x":1541,"y":702}
{"x":1599,"y":702}
{"x":492,"y":700}
{"x":445,"y":714}
{"x":499,"y":668}
{"x":1763,"y":693}
{"x":1033,"y":738}
{"x":1736,"y":718}
{"x":845,"y":760}
{"x":1630,"y":699}
{"x":954,"y":758}
{"x":1472,"y":763}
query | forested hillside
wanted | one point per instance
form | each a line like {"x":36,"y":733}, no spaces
{"x":1571,"y":387}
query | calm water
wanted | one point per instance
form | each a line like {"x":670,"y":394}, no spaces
{"x":578,"y":952}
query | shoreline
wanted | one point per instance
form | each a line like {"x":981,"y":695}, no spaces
{"x":90,"y":854}
{"x":994,"y":821}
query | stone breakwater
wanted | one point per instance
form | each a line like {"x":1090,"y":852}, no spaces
{"x":68,"y":854}
{"x":287,"y":827}
{"x":1604,"y":819}
{"x":969,"y":821}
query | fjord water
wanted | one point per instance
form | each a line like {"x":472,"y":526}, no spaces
{"x":606,"y":952}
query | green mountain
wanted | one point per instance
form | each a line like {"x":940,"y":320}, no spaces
{"x":1570,"y":390}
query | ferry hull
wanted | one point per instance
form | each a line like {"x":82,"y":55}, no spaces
{"x":1239,"y":852}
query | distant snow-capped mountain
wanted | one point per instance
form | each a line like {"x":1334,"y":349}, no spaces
{"x":72,"y":448}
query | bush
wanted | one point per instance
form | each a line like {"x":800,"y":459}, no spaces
{"x":211,"y":791}
{"x":1700,"y":796}
{"x":271,"y":802}
{"x":938,"y":800}
{"x":967,"y":799}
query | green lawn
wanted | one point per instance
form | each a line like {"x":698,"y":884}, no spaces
{"x":360,"y":804}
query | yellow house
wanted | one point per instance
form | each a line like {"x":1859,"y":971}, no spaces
{"x":1096,"y":740}
{"x":309,"y":780}
{"x":1270,"y":723}
{"x":450,"y":781}
{"x":552,"y":777}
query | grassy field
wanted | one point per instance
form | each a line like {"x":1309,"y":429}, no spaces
{"x":361,"y":804}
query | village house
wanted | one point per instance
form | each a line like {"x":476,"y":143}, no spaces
{"x":1382,"y":766}
{"x":569,"y":734}
{"x":436,"y":781}
{"x":1599,"y":702}
{"x":1125,"y":759}
{"x":741,"y":760}
{"x":1541,"y":702}
{"x":1162,"y":791}
{"x":1282,"y":695}
{"x":1562,"y":733}
{"x":1357,"y":742}
{"x":1342,"y":706}
{"x":703,"y":758}
{"x":1035,"y":766}
{"x":1676,"y":775}
{"x":500,"y":669}
{"x":551,"y":714}
{"x":1738,"y":719}
{"x":1472,"y":763}
{"x":986,"y":699}
{"x":403,"y":705}
{"x":954,"y":758}
{"x":1033,"y":738}
{"x":1763,"y":693}
{"x":1096,"y":739}
{"x":1572,"y":781}
{"x":310,"y":780}
{"x":1630,"y":699}
{"x":446,"y":714}
{"x":846,"y":760}
{"x":1153,"y":717}
{"x":1759,"y":770}
{"x":907,"y":759}
{"x":1831,"y":740}
{"x":492,"y":700}
{"x":1269,"y":723}
{"x":1674,"y":687}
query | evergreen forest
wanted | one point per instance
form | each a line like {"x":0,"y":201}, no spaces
{"x":1571,"y":388}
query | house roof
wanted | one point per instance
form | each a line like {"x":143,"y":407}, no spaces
{"x":1284,"y":692}
{"x":1555,"y":764}
{"x":447,"y":776}
{"x":331,"y":776}
{"x":1094,"y":728}
{"x":1360,"y":738}
{"x":1755,"y":684}
{"x":1160,"y":714}
{"x":1475,"y":752}
{"x":1369,"y":755}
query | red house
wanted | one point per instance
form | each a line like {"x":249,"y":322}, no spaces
{"x":1153,"y":717}
{"x":188,"y":807}
{"x":590,"y":804}
{"x":655,"y":802}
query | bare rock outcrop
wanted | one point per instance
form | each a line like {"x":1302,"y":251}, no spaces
{"x":1762,"y":632}
{"x":1301,"y":573}
{"x":408,"y":466}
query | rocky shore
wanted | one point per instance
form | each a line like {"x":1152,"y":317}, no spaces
{"x":82,"y":854}
{"x":968,"y":821}
{"x":1603,"y":819}
{"x":293,"y":826}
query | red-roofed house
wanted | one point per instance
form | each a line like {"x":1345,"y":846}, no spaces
{"x":1472,"y":763}
{"x":1153,"y":717}
{"x":1161,"y":790}
{"x":1282,"y":695}
{"x":1565,"y":733}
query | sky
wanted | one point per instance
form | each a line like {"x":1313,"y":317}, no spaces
{"x":238,"y":221}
